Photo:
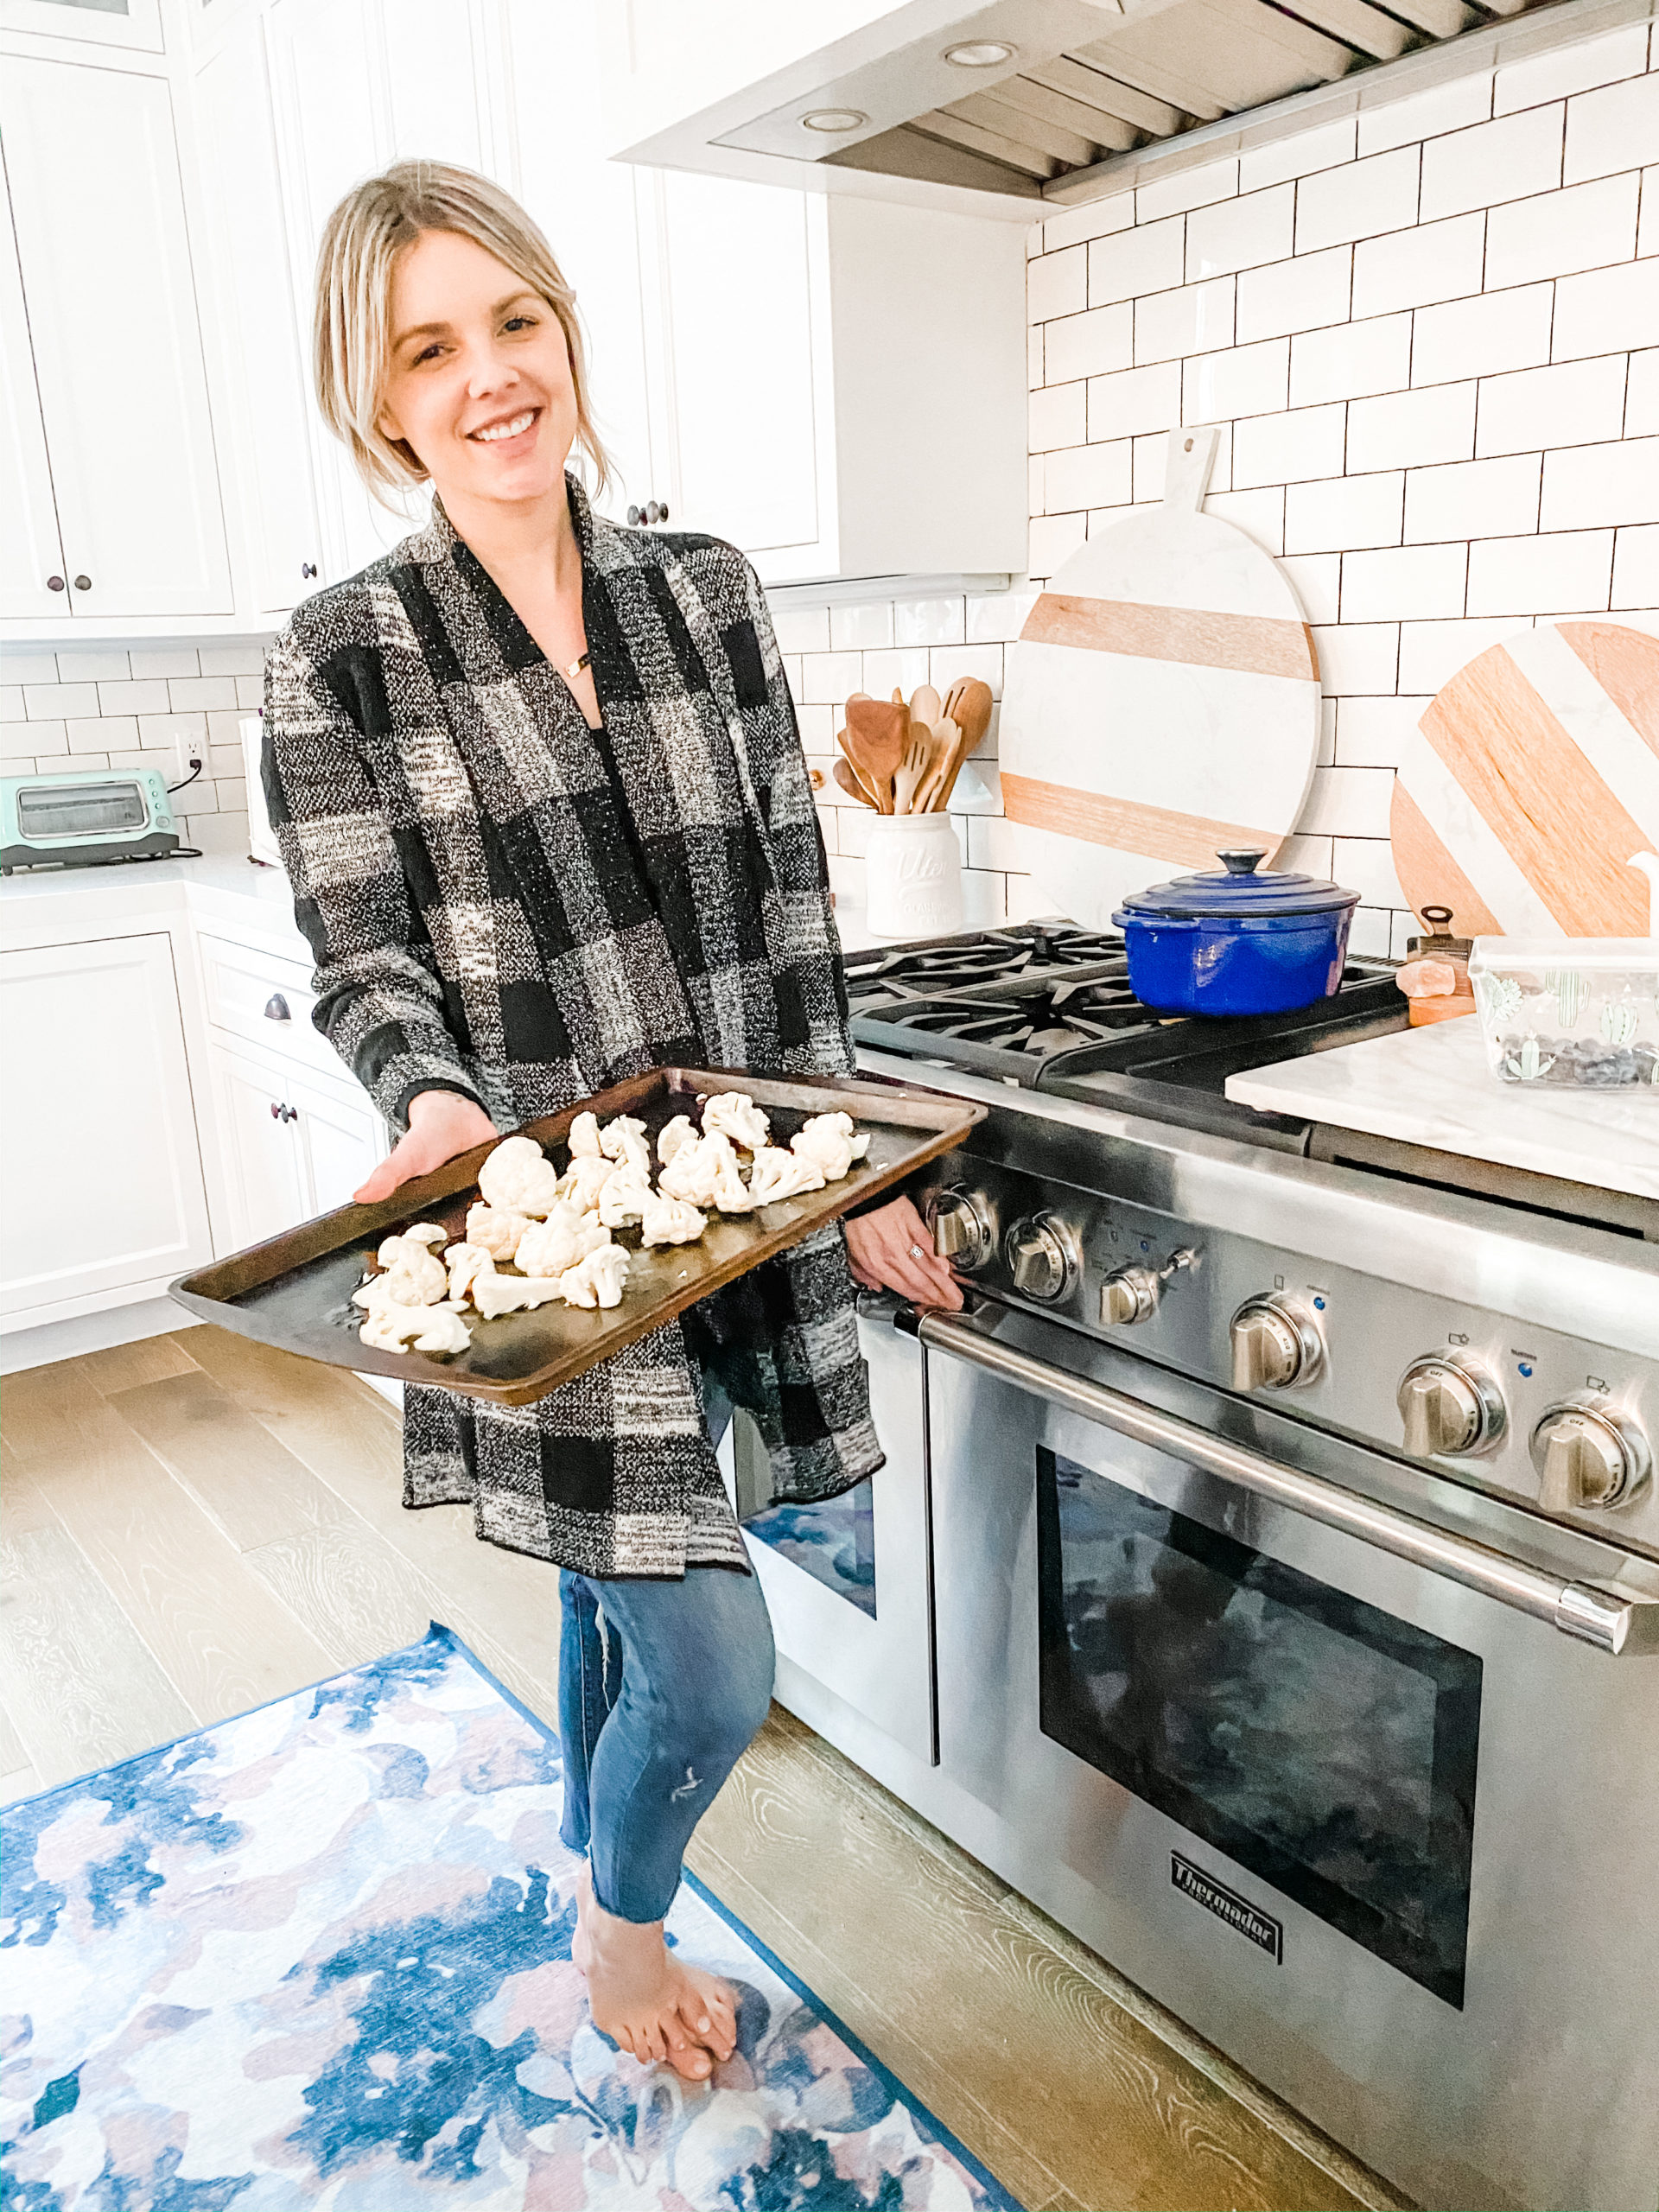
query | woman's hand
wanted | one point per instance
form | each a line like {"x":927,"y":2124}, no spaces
{"x":442,"y":1123}
{"x":891,"y":1250}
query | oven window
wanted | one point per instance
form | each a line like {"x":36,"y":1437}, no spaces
{"x":81,"y":810}
{"x":1316,"y":1739}
{"x":833,"y":1542}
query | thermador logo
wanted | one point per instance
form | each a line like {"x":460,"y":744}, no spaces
{"x":1238,"y":1912}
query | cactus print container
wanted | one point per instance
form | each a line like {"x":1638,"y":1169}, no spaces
{"x":1575,"y":1012}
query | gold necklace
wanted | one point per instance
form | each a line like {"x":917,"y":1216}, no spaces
{"x":576,"y":667}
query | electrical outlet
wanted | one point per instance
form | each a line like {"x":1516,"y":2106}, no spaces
{"x":185,"y":751}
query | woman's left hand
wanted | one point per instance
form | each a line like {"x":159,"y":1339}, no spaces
{"x":891,"y":1250}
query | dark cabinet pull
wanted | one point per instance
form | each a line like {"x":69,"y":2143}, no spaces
{"x":83,"y":584}
{"x":283,"y":1113}
{"x":308,"y":567}
{"x":634,"y":518}
{"x":54,"y":583}
{"x":276,"y":1008}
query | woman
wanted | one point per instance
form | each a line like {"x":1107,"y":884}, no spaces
{"x":541,"y":798}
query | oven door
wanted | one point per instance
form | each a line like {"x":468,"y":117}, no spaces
{"x":1380,"y":1835}
{"x":849,"y":1583}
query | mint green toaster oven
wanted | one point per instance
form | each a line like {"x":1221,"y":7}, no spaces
{"x":84,"y":817}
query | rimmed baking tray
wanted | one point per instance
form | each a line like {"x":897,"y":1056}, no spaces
{"x":294,"y":1291}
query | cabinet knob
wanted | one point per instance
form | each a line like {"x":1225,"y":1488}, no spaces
{"x":83,"y":584}
{"x":279,"y":1112}
{"x":634,"y":518}
{"x":308,"y":567}
{"x":276,"y":1008}
{"x":54,"y":583}
{"x":655,"y":511}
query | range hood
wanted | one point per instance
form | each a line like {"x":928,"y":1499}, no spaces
{"x":1022,"y":99}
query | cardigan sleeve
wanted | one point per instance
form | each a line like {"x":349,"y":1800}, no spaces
{"x":378,"y":998}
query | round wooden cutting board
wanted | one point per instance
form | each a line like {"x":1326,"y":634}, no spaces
{"x":1162,"y":703}
{"x":1531,"y":781}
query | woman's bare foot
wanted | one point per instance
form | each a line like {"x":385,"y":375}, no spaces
{"x":651,"y":2002}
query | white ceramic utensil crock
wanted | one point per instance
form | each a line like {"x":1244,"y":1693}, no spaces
{"x":913,"y":877}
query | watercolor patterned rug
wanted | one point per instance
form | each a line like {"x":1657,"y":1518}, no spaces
{"x":317,"y":1958}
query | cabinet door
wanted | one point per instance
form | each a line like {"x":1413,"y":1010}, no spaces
{"x":100,"y":1175}
{"x":254,"y":300}
{"x":343,"y":1139}
{"x":135,"y":23}
{"x":98,"y":208}
{"x":31,"y":550}
{"x":435,"y":78}
{"x":264,"y":1158}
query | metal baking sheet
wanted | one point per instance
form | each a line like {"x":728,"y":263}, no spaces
{"x":294,"y":1291}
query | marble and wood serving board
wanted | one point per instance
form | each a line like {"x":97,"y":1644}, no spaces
{"x":1162,"y":703}
{"x":1531,"y":780}
{"x":1433,"y":1087}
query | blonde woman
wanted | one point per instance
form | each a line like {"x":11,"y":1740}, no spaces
{"x":541,"y":798}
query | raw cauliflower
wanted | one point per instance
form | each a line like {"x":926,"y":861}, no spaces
{"x":518,"y":1178}
{"x":584,"y":1137}
{"x":779,"y":1174}
{"x":414,"y":1276}
{"x":598,"y":1280}
{"x":425,"y":1328}
{"x":828,"y":1141}
{"x":625,"y":1198}
{"x":669,"y":1221}
{"x":494,"y":1295}
{"x":548,"y":1247}
{"x":582,"y":1181}
{"x":624,"y":1141}
{"x":497,"y":1231}
{"x":675,"y":1137}
{"x":465,"y":1263}
{"x":734,"y":1114}
{"x":705,"y":1175}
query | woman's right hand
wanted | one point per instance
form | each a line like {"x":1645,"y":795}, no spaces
{"x":442,"y":1124}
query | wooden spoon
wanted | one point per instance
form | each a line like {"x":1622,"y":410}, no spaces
{"x":845,"y":776}
{"x":927,"y":707}
{"x":949,"y":751}
{"x":914,"y":766}
{"x":969,"y":705}
{"x":876,"y":735}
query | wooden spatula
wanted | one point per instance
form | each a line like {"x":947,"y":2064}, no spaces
{"x":927,"y":707}
{"x":843,"y":775}
{"x":969,"y":705}
{"x":876,"y":735}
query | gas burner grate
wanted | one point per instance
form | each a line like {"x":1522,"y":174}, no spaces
{"x":898,"y":975}
{"x":1048,"y":1017}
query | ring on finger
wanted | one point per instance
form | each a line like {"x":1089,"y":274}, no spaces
{"x":917,"y":1252}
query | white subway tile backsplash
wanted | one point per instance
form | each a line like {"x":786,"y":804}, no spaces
{"x":250,"y":692}
{"x":1195,"y":319}
{"x":951,"y":663}
{"x":32,"y":740}
{"x":50,"y":701}
{"x":1505,"y":160}
{"x":998,"y":617}
{"x":1580,"y":401}
{"x":1059,"y":416}
{"x":21,"y":668}
{"x":1054,"y":538}
{"x":1288,"y":448}
{"x":11,"y":703}
{"x":164,"y":660}
{"x":167,"y":732}
{"x":104,"y":664}
{"x":1342,"y":512}
{"x":1636,"y":568}
{"x":1431,"y":653}
{"x":1374,"y":732}
{"x":102,"y":732}
{"x":1078,"y":225}
{"x":1408,"y":583}
{"x":1607,"y":311}
{"x":1647,"y":230}
{"x":1473,"y":498}
{"x":1412,"y":428}
{"x":1358,"y":201}
{"x":1366,"y":865}
{"x":1642,"y":395}
{"x":1149,"y":258}
{"x":1450,"y":105}
{"x":1290,"y":296}
{"x":1348,"y":803}
{"x":1087,"y":476}
{"x":1316,"y":579}
{"x":1351,"y":361}
{"x":226,"y":834}
{"x":1325,"y":148}
{"x":929,"y":621}
{"x":1240,"y":233}
{"x":1034,"y":356}
{"x":1260,"y":515}
{"x":1248,"y":380}
{"x":1588,"y":487}
{"x":1585,"y":226}
{"x":830,"y":677}
{"x":1088,"y":345}
{"x":1195,"y":188}
{"x":864,"y":624}
{"x":1483,"y":337}
{"x":1412,"y":269}
{"x":1135,"y":400}
{"x":1357,"y":656}
{"x":1561,"y":572}
{"x":247,"y":659}
{"x":147,"y":697}
{"x":1615,"y":128}
{"x":1056,"y":283}
{"x":1563,"y":69}
{"x":1371,"y":934}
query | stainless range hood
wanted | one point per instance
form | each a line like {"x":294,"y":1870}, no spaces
{"x":1022,"y":99}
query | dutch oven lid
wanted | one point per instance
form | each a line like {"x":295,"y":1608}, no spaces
{"x":1235,"y":890}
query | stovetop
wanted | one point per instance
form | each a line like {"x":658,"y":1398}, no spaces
{"x":1047,"y":1006}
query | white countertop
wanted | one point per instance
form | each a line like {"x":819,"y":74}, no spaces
{"x":217,"y":887}
{"x":1432,"y":1087}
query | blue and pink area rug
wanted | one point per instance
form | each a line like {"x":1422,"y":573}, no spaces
{"x":317,"y":1958}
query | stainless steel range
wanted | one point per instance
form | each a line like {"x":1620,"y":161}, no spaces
{"x":1270,"y":1587}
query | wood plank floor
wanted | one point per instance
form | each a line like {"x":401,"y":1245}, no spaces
{"x":193,"y":1524}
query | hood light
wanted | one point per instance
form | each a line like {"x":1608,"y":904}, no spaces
{"x":980,"y":53}
{"x":833,"y":119}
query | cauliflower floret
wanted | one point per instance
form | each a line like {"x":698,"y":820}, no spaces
{"x":427,"y":1232}
{"x":828,"y":1142}
{"x":582,"y":1181}
{"x":494,"y":1295}
{"x":675,"y":1137}
{"x":465,"y":1263}
{"x":624,"y":1141}
{"x":779,"y":1174}
{"x":427,"y":1328}
{"x":731,"y":1193}
{"x":497,"y":1231}
{"x":669,"y":1221}
{"x":584,"y":1137}
{"x":598,"y":1280}
{"x":690,"y":1174}
{"x":518,"y":1178}
{"x":414,"y":1276}
{"x":624,"y":1198}
{"x":548,"y":1247}
{"x":734,"y":1114}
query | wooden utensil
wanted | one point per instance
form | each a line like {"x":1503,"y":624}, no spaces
{"x":969,"y":705}
{"x":949,"y":751}
{"x":927,"y":707}
{"x":876,"y":735}
{"x":1531,"y":780}
{"x":851,"y":766}
{"x":848,"y":782}
{"x":911,"y":769}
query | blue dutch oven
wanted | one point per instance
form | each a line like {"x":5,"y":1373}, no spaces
{"x":1234,"y":941}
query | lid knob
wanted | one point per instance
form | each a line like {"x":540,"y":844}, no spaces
{"x":1241,"y":862}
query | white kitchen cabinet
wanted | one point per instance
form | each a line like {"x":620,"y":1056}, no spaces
{"x":133,"y":24}
{"x":291,"y":1146}
{"x":32,"y":581}
{"x":98,"y":206}
{"x":101,"y":1192}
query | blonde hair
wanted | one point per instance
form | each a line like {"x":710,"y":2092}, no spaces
{"x":377,"y":222}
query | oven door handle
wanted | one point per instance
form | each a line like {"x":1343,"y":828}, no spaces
{"x":1613,"y":1622}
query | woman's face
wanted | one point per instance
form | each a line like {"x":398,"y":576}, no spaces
{"x":478,"y":384}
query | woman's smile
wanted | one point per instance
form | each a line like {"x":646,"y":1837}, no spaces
{"x":503,"y":430}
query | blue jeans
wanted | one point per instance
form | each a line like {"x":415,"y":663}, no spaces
{"x":661,"y":1686}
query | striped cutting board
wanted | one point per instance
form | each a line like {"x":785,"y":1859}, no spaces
{"x":1531,"y":781}
{"x":1162,"y":703}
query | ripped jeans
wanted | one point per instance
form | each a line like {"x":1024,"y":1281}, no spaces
{"x":661,"y":1686}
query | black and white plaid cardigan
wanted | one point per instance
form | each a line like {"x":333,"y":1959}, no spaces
{"x":475,"y":903}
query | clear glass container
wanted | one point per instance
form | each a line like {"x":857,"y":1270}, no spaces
{"x":1578,"y":1013}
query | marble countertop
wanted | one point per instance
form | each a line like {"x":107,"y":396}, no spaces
{"x":1432,"y":1087}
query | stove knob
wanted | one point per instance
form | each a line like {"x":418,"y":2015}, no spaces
{"x":1451,"y":1407}
{"x":1129,"y":1296}
{"x":1276,"y":1346}
{"x":960,"y":1231}
{"x":1042,"y":1259}
{"x":1588,"y":1457}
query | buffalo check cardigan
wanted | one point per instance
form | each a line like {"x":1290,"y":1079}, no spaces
{"x":495,"y":910}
